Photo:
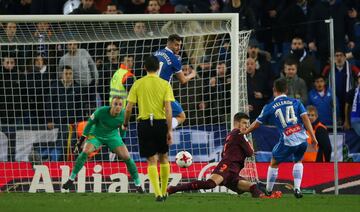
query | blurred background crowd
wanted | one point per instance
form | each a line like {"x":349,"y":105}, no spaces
{"x":289,"y":39}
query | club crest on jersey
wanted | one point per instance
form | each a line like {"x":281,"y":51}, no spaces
{"x":92,"y":117}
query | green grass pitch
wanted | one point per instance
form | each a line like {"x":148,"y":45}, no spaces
{"x":86,"y":202}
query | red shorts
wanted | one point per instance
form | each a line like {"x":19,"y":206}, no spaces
{"x":230,"y":172}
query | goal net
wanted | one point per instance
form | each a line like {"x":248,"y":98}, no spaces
{"x":55,"y":71}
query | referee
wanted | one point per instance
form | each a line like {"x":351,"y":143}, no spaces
{"x":153,"y":96}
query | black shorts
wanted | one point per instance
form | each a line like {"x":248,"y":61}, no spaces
{"x":230,"y":172}
{"x":152,"y":139}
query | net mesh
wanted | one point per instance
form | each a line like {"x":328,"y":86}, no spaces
{"x":44,"y":107}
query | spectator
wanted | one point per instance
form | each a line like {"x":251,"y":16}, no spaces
{"x":191,"y":97}
{"x":64,"y":93}
{"x":257,"y":7}
{"x":258,"y":91}
{"x":86,"y":7}
{"x":193,"y":45}
{"x":35,"y":88}
{"x":85,"y":73}
{"x":322,"y":152}
{"x":133,"y":6}
{"x":269,"y":18}
{"x":352,"y":109}
{"x":216,"y":6}
{"x":110,"y":65}
{"x":307,"y":67}
{"x":246,"y":15}
{"x":345,"y":73}
{"x":11,"y":37}
{"x":204,"y":68}
{"x":200,"y":6}
{"x":10,"y":29}
{"x":294,"y":19}
{"x":263,"y":66}
{"x":153,"y":7}
{"x":318,"y":37}
{"x":296,"y":86}
{"x":165,"y":6}
{"x":11,"y":102}
{"x":218,"y":94}
{"x":139,"y":48}
{"x":122,"y":80}
{"x":18,"y":7}
{"x":44,"y":33}
{"x":102,"y":4}
{"x":112,"y":8}
{"x":139,"y":29}
{"x":321,"y":97}
{"x":52,"y":7}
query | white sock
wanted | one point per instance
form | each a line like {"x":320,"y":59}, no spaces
{"x":297,"y":174}
{"x":271,"y":178}
{"x":175,"y":123}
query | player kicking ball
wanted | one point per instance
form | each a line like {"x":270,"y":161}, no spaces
{"x":103,"y":128}
{"x":226,"y":173}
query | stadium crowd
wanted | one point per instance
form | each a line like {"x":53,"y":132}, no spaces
{"x":289,"y":40}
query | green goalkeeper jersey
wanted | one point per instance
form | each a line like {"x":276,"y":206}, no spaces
{"x":103,"y":125}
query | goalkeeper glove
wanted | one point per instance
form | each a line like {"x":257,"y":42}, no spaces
{"x":79,"y":143}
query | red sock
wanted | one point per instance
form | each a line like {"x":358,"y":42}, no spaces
{"x":255,"y":192}
{"x":195,"y":185}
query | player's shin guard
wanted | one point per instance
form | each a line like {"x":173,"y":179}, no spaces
{"x":154,"y":179}
{"x":131,"y":166}
{"x":164,"y":176}
{"x":80,"y":161}
{"x":298,"y":173}
{"x":271,"y":178}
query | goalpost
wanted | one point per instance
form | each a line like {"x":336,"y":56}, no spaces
{"x":41,"y":111}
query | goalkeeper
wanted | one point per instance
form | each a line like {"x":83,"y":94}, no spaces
{"x":103,"y":129}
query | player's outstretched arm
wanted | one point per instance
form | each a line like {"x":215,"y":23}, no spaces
{"x":184,"y":79}
{"x":252,"y":127}
{"x":308,"y":126}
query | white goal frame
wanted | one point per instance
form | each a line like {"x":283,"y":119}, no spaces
{"x":238,"y":86}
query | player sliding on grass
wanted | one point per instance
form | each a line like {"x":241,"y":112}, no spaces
{"x":226,"y":173}
{"x":103,"y":128}
{"x":290,"y":117}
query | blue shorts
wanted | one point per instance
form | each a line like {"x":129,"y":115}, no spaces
{"x":176,"y":108}
{"x":282,"y":153}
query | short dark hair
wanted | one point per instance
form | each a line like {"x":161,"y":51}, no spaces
{"x":112,"y":4}
{"x":124,"y":56}
{"x":240,"y":115}
{"x":312,"y":108}
{"x":297,"y":38}
{"x":67,"y":67}
{"x":340,"y":50}
{"x":151,"y":64}
{"x":319,"y":76}
{"x":174,"y":37}
{"x":280,"y":85}
{"x":290,"y":61}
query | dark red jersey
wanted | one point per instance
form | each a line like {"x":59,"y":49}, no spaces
{"x":236,"y":148}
